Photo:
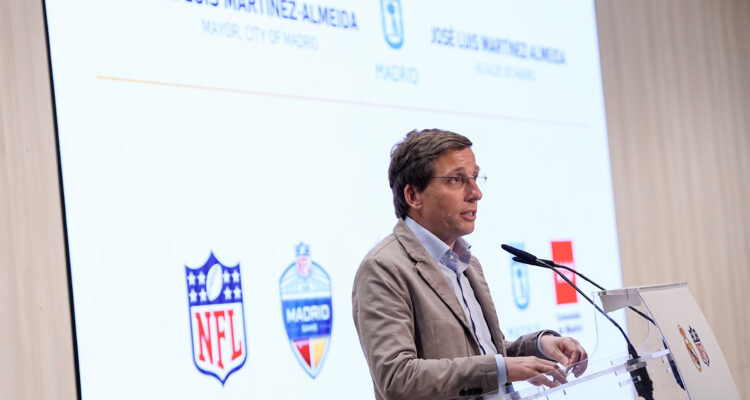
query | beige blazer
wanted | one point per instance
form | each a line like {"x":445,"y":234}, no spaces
{"x":417,"y":341}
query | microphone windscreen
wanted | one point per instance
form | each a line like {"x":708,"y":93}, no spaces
{"x":526,"y":257}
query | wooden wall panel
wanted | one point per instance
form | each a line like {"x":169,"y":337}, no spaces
{"x":35,"y":335}
{"x":677,"y":91}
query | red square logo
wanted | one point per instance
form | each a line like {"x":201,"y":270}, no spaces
{"x":562,"y":253}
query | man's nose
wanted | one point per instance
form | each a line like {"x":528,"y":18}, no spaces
{"x":474,"y":193}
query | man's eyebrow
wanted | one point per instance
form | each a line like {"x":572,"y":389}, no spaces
{"x":455,"y":171}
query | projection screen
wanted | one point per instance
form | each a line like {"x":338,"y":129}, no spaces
{"x":224,"y":168}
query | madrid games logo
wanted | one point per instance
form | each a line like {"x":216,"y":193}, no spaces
{"x":217,"y":318}
{"x":393,"y":23}
{"x":305,"y":290}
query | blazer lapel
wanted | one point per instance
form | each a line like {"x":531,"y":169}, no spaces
{"x":427,"y":268}
{"x":482,"y":292}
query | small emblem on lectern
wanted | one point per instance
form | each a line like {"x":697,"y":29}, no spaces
{"x":690,"y":349}
{"x":699,"y":345}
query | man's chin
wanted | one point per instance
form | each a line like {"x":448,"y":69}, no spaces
{"x":468,"y":229}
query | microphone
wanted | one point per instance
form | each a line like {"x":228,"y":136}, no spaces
{"x":523,"y":257}
{"x":642,"y":382}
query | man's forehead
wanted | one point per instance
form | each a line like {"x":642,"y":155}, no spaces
{"x":461,"y":168}
{"x":457,"y":160}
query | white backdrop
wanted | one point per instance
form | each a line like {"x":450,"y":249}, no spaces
{"x":242,"y":129}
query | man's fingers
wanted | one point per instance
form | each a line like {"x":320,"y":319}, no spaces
{"x":558,"y":375}
{"x":585,"y":362}
{"x":543,"y":380}
{"x":579,"y":360}
{"x":556,"y":354}
{"x":580,"y":368}
{"x":538,"y":371}
{"x":550,"y":369}
{"x":575,"y":356}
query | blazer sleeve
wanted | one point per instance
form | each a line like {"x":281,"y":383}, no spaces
{"x":384,"y":318}
{"x":526,"y":345}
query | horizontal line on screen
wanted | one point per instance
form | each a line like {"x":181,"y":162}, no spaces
{"x":345,"y":102}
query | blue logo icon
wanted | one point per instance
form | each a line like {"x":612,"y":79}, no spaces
{"x":217,"y":318}
{"x":305,"y":290}
{"x":519,"y":280}
{"x":393,"y":24}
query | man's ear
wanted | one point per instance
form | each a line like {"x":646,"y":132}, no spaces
{"x":413,"y":197}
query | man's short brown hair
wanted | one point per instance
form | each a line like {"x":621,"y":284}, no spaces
{"x":412,"y":161}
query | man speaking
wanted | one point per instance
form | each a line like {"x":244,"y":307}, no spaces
{"x":421,"y":305}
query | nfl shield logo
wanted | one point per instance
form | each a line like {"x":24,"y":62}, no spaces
{"x":305,"y":290}
{"x":217,"y":318}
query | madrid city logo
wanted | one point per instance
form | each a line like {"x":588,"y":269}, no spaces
{"x":519,"y":281}
{"x":305,"y":290}
{"x":393,"y":23}
{"x":217,"y":318}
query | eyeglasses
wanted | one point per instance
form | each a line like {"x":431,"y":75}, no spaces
{"x":458,"y":181}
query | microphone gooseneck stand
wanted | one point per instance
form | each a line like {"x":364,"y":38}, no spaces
{"x":641,"y":380}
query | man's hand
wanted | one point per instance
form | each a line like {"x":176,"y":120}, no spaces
{"x":523,"y":368}
{"x":567,"y":351}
